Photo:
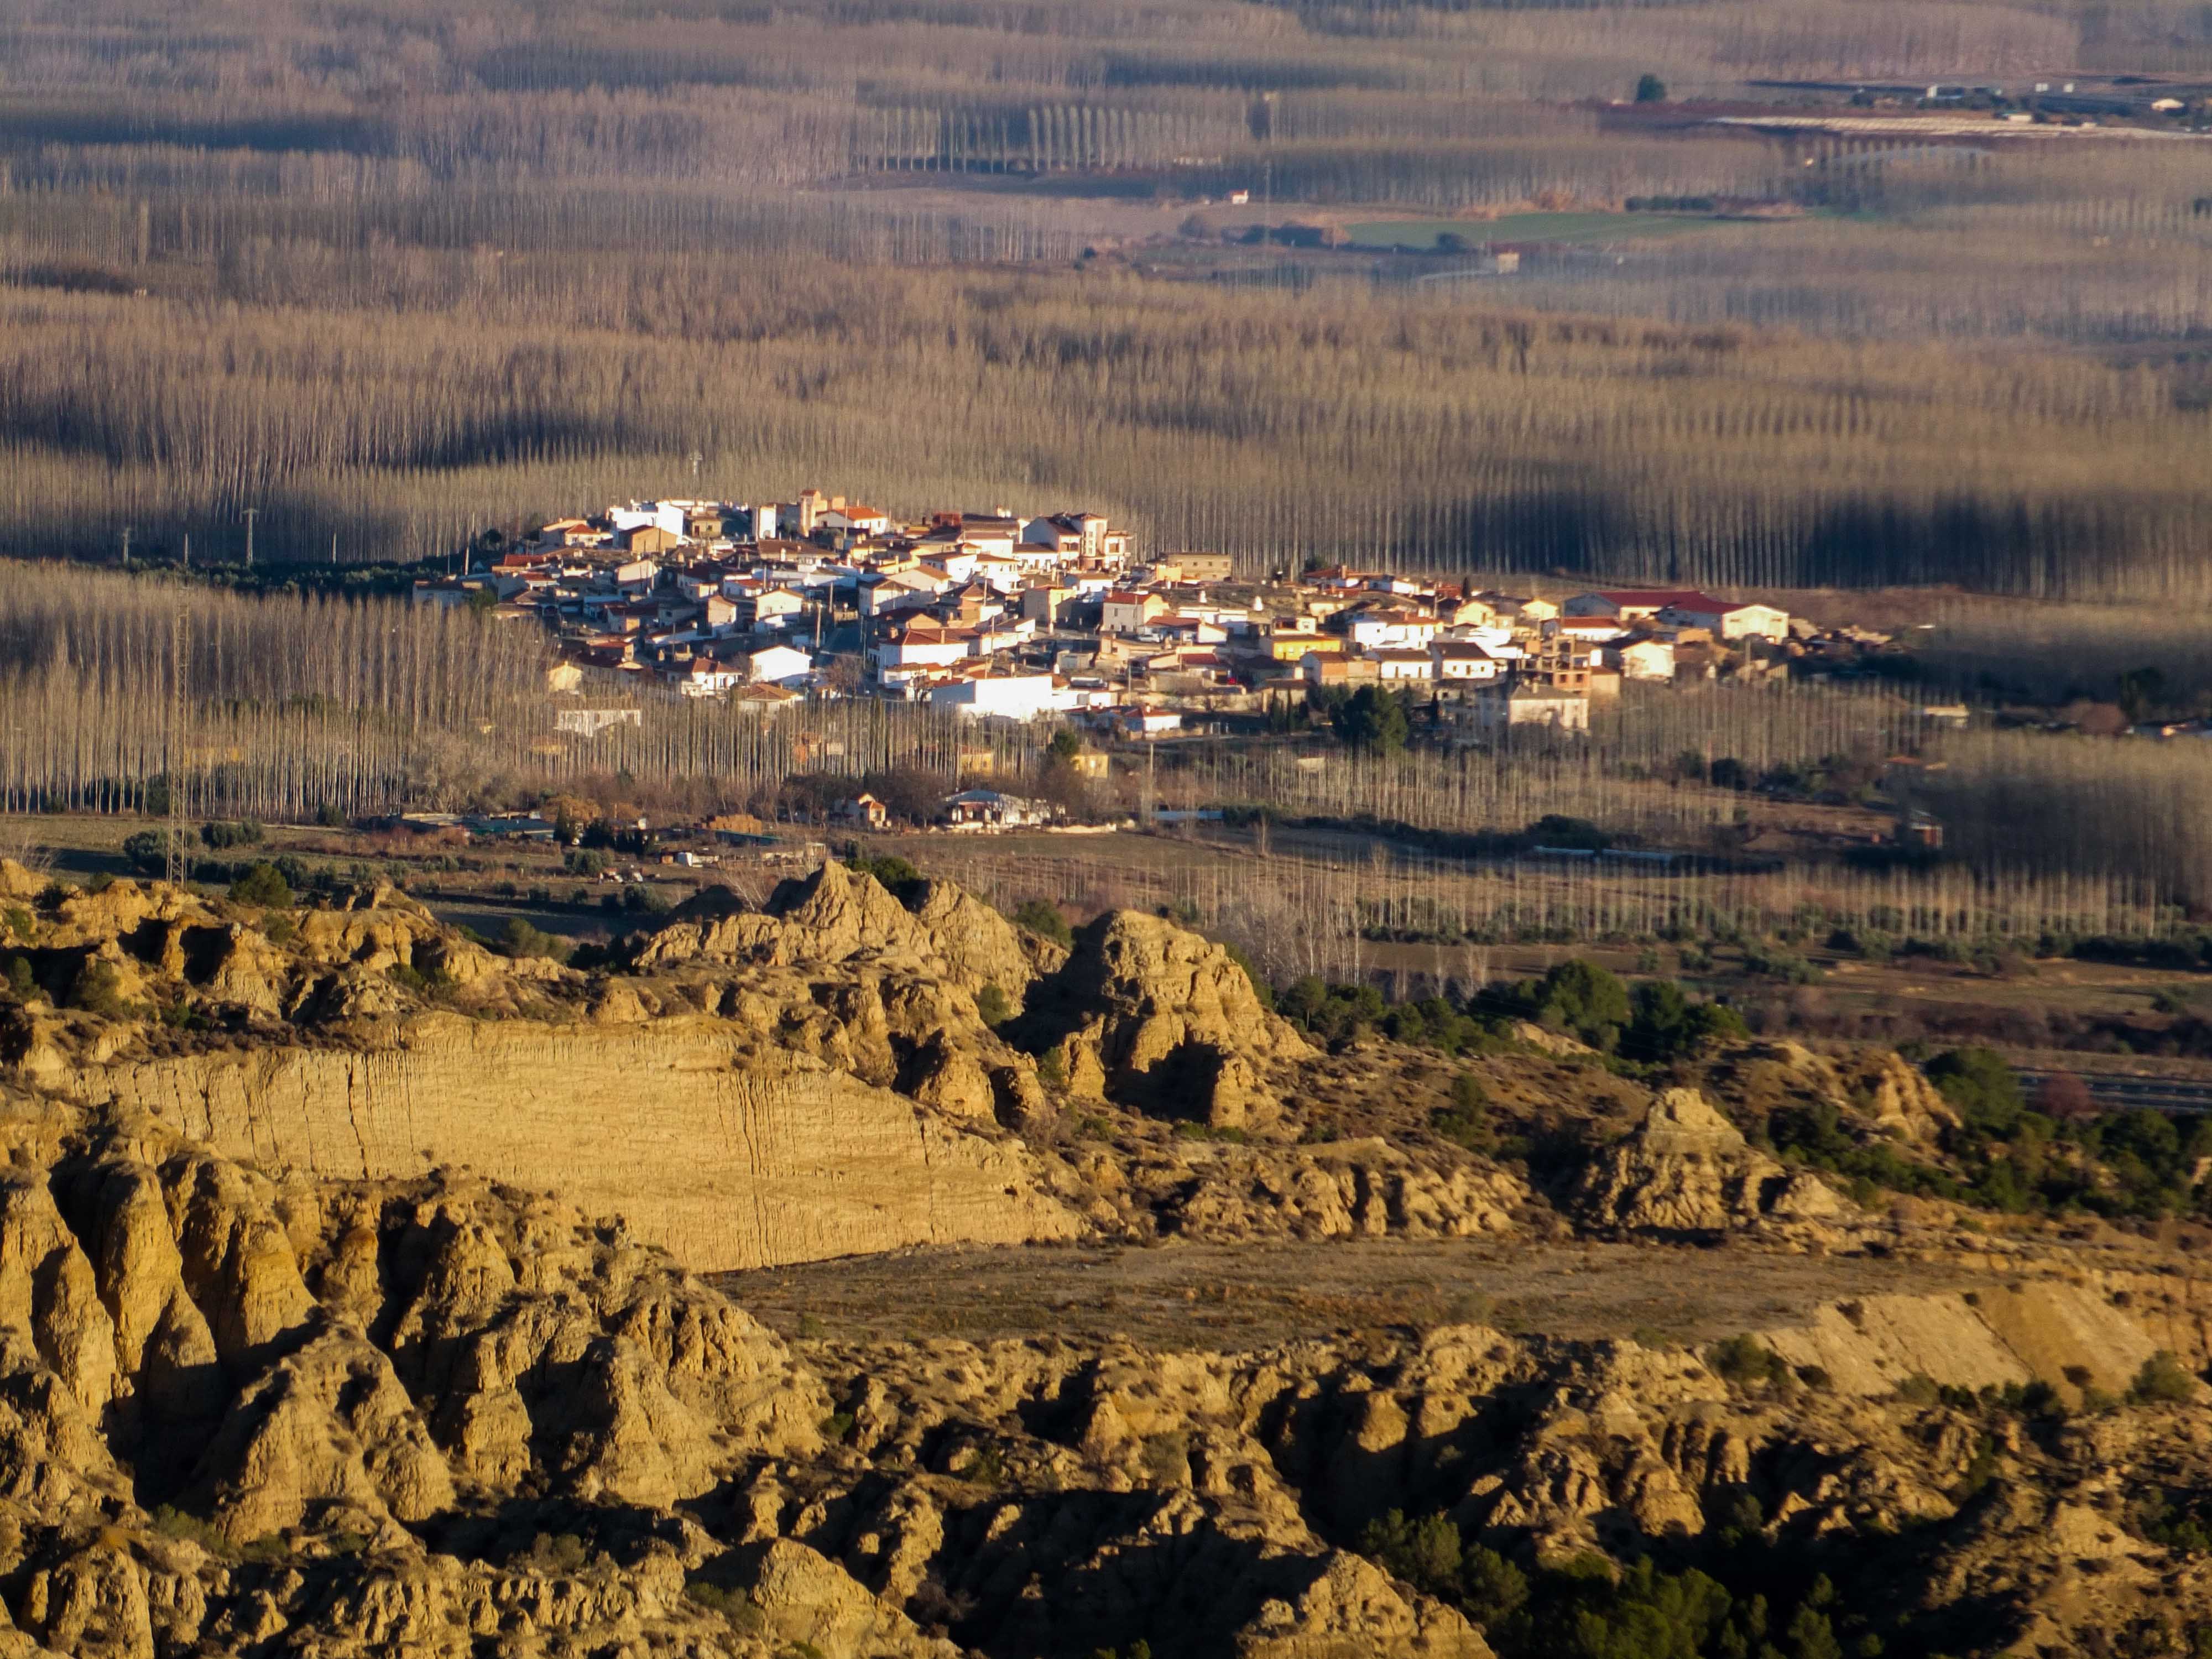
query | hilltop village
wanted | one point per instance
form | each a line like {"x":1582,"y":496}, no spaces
{"x":999,"y":615}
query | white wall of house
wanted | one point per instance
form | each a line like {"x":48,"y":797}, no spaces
{"x":1644,"y":659}
{"x":1007,"y":697}
{"x":1740,"y":621}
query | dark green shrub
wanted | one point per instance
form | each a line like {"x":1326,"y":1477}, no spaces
{"x":2165,"y":1379}
{"x":520,"y":939}
{"x":1980,"y":1085}
{"x":170,"y":1521}
{"x":899,"y":878}
{"x":1667,"y":1025}
{"x":98,"y":989}
{"x":1426,"y":1553}
{"x":147,"y":851}
{"x":559,"y":1553}
{"x":1576,"y":996}
{"x":1466,"y":1122}
{"x":1042,"y":918}
{"x":641,"y":900}
{"x":1746,"y":1360}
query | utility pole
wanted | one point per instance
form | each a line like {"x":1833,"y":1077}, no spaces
{"x":126,"y":547}
{"x":251,"y":513}
{"x":180,"y":637}
{"x":188,"y":549}
{"x":334,"y":548}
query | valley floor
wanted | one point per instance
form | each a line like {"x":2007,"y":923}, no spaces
{"x":1232,"y":1296}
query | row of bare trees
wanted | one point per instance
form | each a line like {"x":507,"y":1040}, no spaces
{"x":283,"y":707}
{"x":467,"y":389}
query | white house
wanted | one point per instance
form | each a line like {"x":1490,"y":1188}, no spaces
{"x":1682,"y":607}
{"x":1729,"y":621}
{"x":1624,"y":604}
{"x":861,"y":520}
{"x":703,"y":676}
{"x":1390,"y":630}
{"x":897,"y":590}
{"x":776,"y":664}
{"x":657,"y":515}
{"x":1529,"y":703}
{"x":990,"y":532}
{"x":1391,"y":666}
{"x":777,"y":607}
{"x":1012,"y":696}
{"x":1125,"y":611}
{"x":923,"y":645}
{"x":1643,"y":660}
{"x":1464,"y":660}
{"x":951,"y":565}
{"x":865,"y":810}
{"x":1083,"y":534}
{"x":1584,"y":630}
{"x":1148,"y":722}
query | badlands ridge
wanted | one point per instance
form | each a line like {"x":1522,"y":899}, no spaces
{"x":348,"y":1305}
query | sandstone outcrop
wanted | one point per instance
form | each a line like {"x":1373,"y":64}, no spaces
{"x":837,"y":916}
{"x":1363,"y":1188}
{"x":1353,"y":1609}
{"x":1686,"y":1170}
{"x":2012,"y":1332}
{"x":1163,"y":1019}
{"x":1876,"y":1090}
{"x":728,"y":1153}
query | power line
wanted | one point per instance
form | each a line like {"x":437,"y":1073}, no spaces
{"x":180,"y":634}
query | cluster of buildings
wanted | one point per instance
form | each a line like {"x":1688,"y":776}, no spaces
{"x":997,"y":614}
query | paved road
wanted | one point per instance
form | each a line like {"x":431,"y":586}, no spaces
{"x":2119,"y":1091}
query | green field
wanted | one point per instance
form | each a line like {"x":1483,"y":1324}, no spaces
{"x":1530,"y":228}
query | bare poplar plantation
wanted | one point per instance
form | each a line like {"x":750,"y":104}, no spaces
{"x":369,"y":706}
{"x":388,"y":279}
{"x":1353,"y":917}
